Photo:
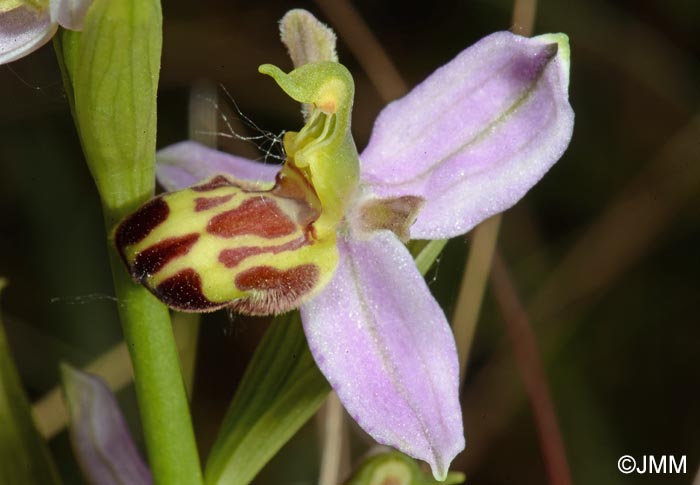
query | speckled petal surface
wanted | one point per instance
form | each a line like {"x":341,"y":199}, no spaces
{"x":477,"y":134}
{"x":184,"y":164}
{"x":385,"y":346}
{"x":70,"y":13}
{"x":23,"y":31}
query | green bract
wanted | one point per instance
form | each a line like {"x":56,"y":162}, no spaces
{"x":112,"y":69}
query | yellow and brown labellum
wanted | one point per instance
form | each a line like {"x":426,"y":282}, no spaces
{"x":225,"y":243}
{"x":258,"y":250}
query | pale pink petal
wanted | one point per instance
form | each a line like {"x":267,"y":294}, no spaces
{"x":184,"y":164}
{"x":70,"y":13}
{"x":383,"y":343}
{"x":101,"y":440}
{"x":476,"y":135}
{"x":23,"y":31}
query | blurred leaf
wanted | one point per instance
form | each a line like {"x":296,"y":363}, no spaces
{"x":397,"y":469}
{"x":281,"y":389}
{"x":99,"y":435}
{"x":24,"y":457}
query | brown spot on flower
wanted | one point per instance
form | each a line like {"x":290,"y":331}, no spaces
{"x":396,"y":214}
{"x":140,"y":224}
{"x":292,"y":184}
{"x":258,"y":216}
{"x":269,"y":278}
{"x":214,"y":183}
{"x":183,"y":292}
{"x":232,"y":257}
{"x":274,"y":291}
{"x":154,"y":258}
{"x":206,"y":203}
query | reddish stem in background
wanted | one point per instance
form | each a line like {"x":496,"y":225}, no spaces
{"x":532,"y":372}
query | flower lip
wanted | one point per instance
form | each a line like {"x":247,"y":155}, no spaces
{"x":226,"y":243}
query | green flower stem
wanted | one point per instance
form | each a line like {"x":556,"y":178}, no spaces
{"x":110,"y":70}
{"x":186,"y":328}
{"x":165,"y":415}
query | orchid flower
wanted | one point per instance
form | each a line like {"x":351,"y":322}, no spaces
{"x":26,"y":25}
{"x":325,"y":231}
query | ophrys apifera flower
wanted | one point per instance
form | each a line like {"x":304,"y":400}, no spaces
{"x":324,"y":232}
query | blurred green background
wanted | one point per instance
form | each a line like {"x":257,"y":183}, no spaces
{"x":605,"y":251}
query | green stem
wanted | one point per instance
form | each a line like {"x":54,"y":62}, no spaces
{"x":165,"y":416}
{"x":110,"y":70}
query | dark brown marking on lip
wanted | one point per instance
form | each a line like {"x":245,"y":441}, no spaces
{"x":214,"y":183}
{"x":154,"y":258}
{"x":258,"y":216}
{"x":232,"y":257}
{"x":183,"y":291}
{"x":140,"y":224}
{"x":206,"y":203}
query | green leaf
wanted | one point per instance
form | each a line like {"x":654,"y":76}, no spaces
{"x":24,"y":457}
{"x":112,"y":70}
{"x":425,"y":254}
{"x":281,"y":389}
{"x":398,"y":469}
